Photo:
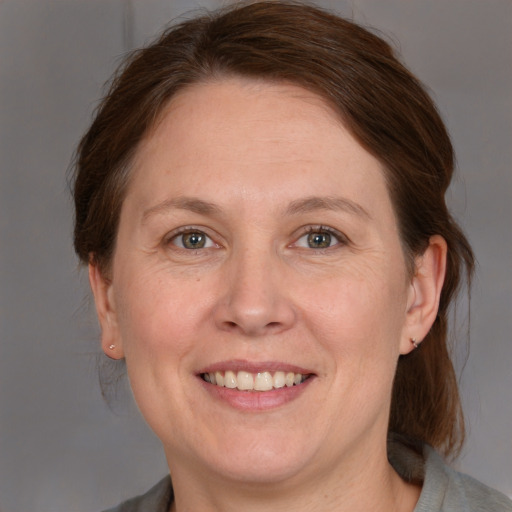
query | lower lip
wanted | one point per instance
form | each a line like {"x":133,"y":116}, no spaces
{"x":256,"y":400}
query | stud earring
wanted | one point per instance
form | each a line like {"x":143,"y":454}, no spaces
{"x":112,"y":347}
{"x":415,"y":343}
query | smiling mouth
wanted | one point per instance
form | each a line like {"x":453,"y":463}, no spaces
{"x":260,"y":381}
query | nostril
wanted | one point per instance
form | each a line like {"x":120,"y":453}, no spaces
{"x":271,"y":325}
{"x":250,"y":328}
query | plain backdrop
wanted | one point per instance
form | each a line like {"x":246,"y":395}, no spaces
{"x":61,"y":447}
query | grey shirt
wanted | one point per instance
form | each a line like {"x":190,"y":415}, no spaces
{"x":444,"y":490}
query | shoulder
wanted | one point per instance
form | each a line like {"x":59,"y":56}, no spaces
{"x":157,"y":499}
{"x":445,"y":489}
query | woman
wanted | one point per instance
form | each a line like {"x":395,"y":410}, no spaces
{"x":260,"y":202}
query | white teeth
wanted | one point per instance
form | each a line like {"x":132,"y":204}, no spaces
{"x":245,"y":381}
{"x":261,"y":381}
{"x":279,"y":380}
{"x":230,"y":379}
{"x":219,"y":378}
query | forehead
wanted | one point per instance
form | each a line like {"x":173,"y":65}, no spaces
{"x":250,"y":139}
{"x":239,"y":106}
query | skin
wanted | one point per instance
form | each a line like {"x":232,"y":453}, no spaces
{"x":254,"y":154}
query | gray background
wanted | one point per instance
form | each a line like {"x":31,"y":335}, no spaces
{"x":61,"y":447}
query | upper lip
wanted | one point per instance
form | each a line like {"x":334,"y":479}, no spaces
{"x":237,"y":365}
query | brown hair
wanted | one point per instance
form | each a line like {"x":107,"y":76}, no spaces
{"x":378,"y":99}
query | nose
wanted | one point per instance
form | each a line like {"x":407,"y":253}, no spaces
{"x":254,"y":301}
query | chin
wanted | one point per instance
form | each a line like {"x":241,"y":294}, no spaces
{"x":256,"y":457}
{"x":269,"y":468}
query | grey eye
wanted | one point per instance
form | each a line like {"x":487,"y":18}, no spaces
{"x":193,"y":240}
{"x":318,"y":239}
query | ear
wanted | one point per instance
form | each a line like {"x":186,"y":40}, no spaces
{"x":102,"y":290}
{"x":424,"y":293}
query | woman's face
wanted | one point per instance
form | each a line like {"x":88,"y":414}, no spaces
{"x":257,"y":243}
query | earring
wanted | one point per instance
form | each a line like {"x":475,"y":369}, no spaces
{"x":112,"y":347}
{"x":415,"y":343}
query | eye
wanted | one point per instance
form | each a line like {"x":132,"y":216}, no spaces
{"x":192,"y":240}
{"x":318,"y":238}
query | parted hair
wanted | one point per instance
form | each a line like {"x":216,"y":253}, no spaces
{"x":383,"y":105}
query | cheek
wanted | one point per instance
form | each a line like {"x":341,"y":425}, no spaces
{"x":359,"y":320}
{"x":160,"y":325}
{"x":158,"y":314}
{"x":359,"y":301}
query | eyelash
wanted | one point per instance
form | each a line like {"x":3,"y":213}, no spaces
{"x":172,"y":237}
{"x":340,"y":239}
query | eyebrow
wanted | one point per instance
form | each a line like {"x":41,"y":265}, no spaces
{"x":191,"y":204}
{"x":297,"y":207}
{"x":314,"y":203}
